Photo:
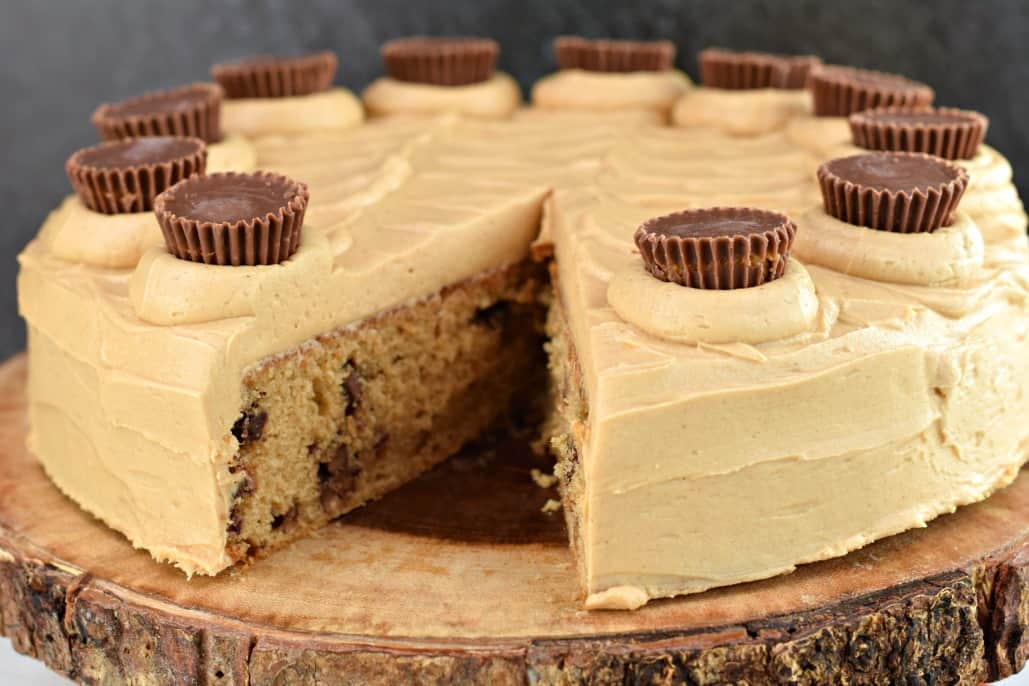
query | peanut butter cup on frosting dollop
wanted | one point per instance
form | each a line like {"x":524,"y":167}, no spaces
{"x":840,"y":91}
{"x":945,"y":132}
{"x":718,"y":248}
{"x":232,"y":218}
{"x":193,"y":110}
{"x":438,"y":61}
{"x":121,"y":177}
{"x":620,"y":56}
{"x":267,"y":76}
{"x":726,"y":69}
{"x":900,"y":192}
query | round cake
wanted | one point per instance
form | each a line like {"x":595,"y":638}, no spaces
{"x":787,"y":310}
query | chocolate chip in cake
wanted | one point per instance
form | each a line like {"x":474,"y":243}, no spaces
{"x":352,"y":388}
{"x":338,"y":477}
{"x":235,"y":521}
{"x":493,"y":316}
{"x":250,"y":426}
{"x":284,"y":519}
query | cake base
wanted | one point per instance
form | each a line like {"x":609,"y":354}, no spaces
{"x":460,"y":577}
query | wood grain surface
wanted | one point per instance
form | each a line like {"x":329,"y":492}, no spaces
{"x":460,"y":578}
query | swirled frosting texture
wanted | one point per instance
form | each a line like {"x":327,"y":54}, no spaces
{"x":495,"y":98}
{"x":577,"y":89}
{"x":895,"y":403}
{"x":778,"y":309}
{"x":333,"y":109}
{"x":741,"y":112}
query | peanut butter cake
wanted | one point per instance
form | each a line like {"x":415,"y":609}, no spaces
{"x":767,"y":347}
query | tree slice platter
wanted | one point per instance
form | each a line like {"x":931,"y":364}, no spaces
{"x":461,"y":578}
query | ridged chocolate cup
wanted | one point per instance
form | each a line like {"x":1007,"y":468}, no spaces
{"x":603,"y":55}
{"x":949,"y":133}
{"x":233,"y":218}
{"x":276,"y":77}
{"x":193,"y":110}
{"x":718,"y":248}
{"x":842,"y":91}
{"x":730,"y":70}
{"x":440,"y":61}
{"x":120,"y":177}
{"x":902,"y":192}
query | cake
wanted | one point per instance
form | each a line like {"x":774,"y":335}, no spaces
{"x":216,"y":379}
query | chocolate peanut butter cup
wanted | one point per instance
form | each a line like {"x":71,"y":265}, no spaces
{"x":841,"y":91}
{"x":903,"y":192}
{"x":747,"y":70}
{"x":193,"y":110}
{"x":440,"y":61}
{"x":232,"y":218}
{"x":949,"y":133}
{"x":575,"y":52}
{"x":718,"y":248}
{"x":265,"y":76}
{"x":119,"y":177}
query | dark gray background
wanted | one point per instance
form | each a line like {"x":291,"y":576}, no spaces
{"x":60,"y":58}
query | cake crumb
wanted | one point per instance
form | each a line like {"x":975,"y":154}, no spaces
{"x":543,"y":480}
{"x":550,"y":506}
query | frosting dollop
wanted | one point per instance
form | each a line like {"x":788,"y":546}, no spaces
{"x":588,"y":90}
{"x":334,"y":109}
{"x":496,"y":98}
{"x":115,"y":241}
{"x":165,"y":290}
{"x":741,"y":112}
{"x":949,"y":256}
{"x":819,"y":135}
{"x":775,"y":310}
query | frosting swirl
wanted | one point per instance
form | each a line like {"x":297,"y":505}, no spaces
{"x":775,"y":310}
{"x":496,"y":98}
{"x":165,"y":290}
{"x":819,"y":135}
{"x":587,"y":90}
{"x":741,"y":112}
{"x":336,"y":108}
{"x":949,"y":256}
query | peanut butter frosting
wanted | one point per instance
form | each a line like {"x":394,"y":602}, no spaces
{"x":741,"y":112}
{"x":495,"y":98}
{"x":861,"y":404}
{"x":334,"y":109}
{"x":578,"y":89}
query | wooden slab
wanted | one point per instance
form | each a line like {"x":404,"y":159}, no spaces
{"x":460,"y":578}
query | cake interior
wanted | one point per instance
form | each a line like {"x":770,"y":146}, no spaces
{"x":355,"y":413}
